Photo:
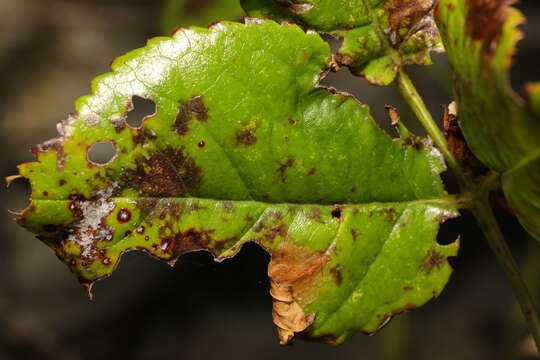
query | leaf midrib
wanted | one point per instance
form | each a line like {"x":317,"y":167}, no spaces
{"x":443,"y":200}
{"x":526,"y":160}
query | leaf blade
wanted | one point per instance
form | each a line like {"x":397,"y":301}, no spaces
{"x":500,"y":127}
{"x":219,"y":164}
{"x":378,"y":36}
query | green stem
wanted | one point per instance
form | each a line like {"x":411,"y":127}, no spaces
{"x":486,"y":220}
{"x":481,"y":208}
{"x":408,"y":91}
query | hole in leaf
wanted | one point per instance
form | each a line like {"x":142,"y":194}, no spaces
{"x":101,"y":152}
{"x":141,"y":109}
{"x":336,"y":213}
{"x":19,"y":191}
{"x":450,"y":229}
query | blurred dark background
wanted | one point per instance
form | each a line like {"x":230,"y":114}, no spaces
{"x":49,"y":52}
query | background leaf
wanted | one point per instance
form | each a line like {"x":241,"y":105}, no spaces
{"x":501,"y":128}
{"x":378,"y":36}
{"x":244,"y":147}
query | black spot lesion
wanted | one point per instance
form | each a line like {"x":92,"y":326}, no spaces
{"x":246,"y":137}
{"x":187,"y":111}
{"x":123,"y":216}
{"x":336,"y":211}
{"x":282,"y":169}
{"x":186,"y":241}
{"x":167,"y":172}
{"x":434,"y":260}
{"x":142,"y":135}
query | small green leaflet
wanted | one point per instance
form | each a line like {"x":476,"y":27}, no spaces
{"x":501,"y":128}
{"x":245,"y":147}
{"x":378,"y":36}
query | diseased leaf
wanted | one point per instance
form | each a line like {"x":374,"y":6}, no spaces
{"x":245,"y":147}
{"x":198,"y":13}
{"x":378,"y":36}
{"x":501,"y":128}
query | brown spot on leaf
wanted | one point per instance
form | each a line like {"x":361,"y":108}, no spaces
{"x":291,"y":121}
{"x":201,"y":144}
{"x":140,"y":136}
{"x":485,"y":20}
{"x":61,"y":182}
{"x":336,"y":273}
{"x":434,"y":260}
{"x":246,"y":137}
{"x":406,"y":11}
{"x":391,"y":212}
{"x":55,"y":144}
{"x":140,"y":230}
{"x":316,"y":214}
{"x":169,"y":172}
{"x":282,"y":169}
{"x":194,"y":108}
{"x":75,"y":207}
{"x":118,"y":125}
{"x":336,"y":211}
{"x":228,"y":206}
{"x":312,"y":171}
{"x":408,"y":288}
{"x":354,"y":234}
{"x":411,"y":15}
{"x":123,"y":216}
{"x":268,"y":232}
{"x":186,"y":241}
{"x":292,"y":272}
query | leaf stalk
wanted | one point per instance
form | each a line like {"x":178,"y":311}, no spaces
{"x":480,"y":208}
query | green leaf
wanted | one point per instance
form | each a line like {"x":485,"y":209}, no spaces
{"x":198,"y":13}
{"x":378,"y":36}
{"x":245,"y":147}
{"x":501,"y":128}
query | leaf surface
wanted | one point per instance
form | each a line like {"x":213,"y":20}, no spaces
{"x":378,"y":36}
{"x":501,"y":128}
{"x":245,"y":147}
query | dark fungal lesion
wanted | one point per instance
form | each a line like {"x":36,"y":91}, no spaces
{"x":485,"y":21}
{"x":187,"y":111}
{"x":246,"y":137}
{"x":186,"y":241}
{"x":282,"y":169}
{"x":167,"y":172}
{"x":337,"y":274}
{"x":142,"y":135}
{"x":434,"y":260}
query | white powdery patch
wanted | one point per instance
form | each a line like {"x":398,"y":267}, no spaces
{"x":433,"y":153}
{"x":90,"y":229}
{"x":439,"y":213}
{"x":65,"y":127}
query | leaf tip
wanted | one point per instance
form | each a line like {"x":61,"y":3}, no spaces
{"x":11,"y":178}
{"x":88,"y":287}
